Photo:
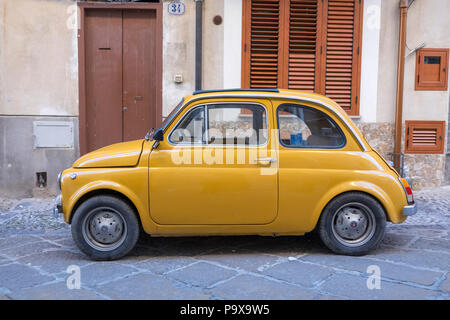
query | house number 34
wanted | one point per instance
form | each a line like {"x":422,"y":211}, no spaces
{"x":176,"y":8}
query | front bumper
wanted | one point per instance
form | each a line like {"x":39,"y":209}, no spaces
{"x":410,"y":210}
{"x":57,"y":209}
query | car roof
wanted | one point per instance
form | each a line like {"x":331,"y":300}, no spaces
{"x":265,"y":92}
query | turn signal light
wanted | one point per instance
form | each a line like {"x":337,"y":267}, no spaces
{"x":408,"y":191}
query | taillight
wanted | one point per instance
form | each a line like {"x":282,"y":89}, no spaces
{"x":408,"y":191}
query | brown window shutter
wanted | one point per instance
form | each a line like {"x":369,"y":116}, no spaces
{"x":432,"y":69}
{"x":307,"y":45}
{"x":342,"y":71}
{"x":261,"y":43}
{"x":303,"y":44}
{"x":424,"y":136}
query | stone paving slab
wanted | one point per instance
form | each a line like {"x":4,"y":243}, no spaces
{"x":414,"y":261}
{"x":298,"y":272}
{"x":201,"y":274}
{"x":54,"y":291}
{"x":149,"y":286}
{"x":388,"y":270}
{"x":355,"y":287}
{"x":17,"y":276}
{"x":259,"y":288}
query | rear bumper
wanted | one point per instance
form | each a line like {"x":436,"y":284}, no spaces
{"x":410,"y":210}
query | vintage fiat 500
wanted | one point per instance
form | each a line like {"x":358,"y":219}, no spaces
{"x":237,"y":162}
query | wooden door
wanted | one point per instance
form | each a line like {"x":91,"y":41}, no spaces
{"x":121,"y":75}
{"x":103,"y":32}
{"x":139,"y":77}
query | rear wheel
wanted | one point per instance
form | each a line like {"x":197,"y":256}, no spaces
{"x":352,"y":224}
{"x":105,"y":228}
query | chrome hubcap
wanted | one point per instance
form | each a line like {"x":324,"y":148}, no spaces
{"x":353,"y":224}
{"x":104,"y":229}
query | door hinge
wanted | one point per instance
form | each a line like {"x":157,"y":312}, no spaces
{"x":418,"y":78}
{"x":356,"y":100}
{"x":358,"y":50}
{"x":321,"y":49}
{"x":245,"y":47}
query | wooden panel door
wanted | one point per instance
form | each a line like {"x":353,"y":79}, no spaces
{"x":103,"y":52}
{"x":139,"y":77}
{"x":122,"y":75}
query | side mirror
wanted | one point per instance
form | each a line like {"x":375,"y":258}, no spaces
{"x":159,"y":135}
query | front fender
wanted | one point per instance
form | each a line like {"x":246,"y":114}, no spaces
{"x":130,"y":183}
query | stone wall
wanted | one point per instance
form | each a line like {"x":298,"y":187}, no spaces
{"x":423,"y":170}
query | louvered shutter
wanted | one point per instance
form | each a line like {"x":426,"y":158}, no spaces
{"x":425,"y":136}
{"x":303,"y":22}
{"x":263,"y":50}
{"x":306,"y":45}
{"x":342,"y":53}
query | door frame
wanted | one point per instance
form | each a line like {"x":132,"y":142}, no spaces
{"x":83,"y":6}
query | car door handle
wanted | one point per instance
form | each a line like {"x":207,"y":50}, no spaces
{"x":265,"y":160}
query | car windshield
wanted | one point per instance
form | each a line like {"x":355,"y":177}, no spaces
{"x":171,"y":114}
{"x":166,"y":121}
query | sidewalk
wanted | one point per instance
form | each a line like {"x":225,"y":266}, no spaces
{"x":36,"y":251}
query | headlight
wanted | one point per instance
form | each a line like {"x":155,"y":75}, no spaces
{"x":58,"y":180}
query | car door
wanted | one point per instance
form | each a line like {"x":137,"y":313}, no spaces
{"x":216,"y":166}
{"x":316,"y":154}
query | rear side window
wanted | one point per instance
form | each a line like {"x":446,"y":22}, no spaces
{"x":305,"y":127}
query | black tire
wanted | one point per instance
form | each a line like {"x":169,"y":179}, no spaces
{"x":342,"y":232}
{"x":90,"y":224}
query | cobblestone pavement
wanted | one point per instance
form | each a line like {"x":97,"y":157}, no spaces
{"x":36,"y":251}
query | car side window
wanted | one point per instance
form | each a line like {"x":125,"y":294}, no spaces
{"x":305,"y":127}
{"x":237,"y":124}
{"x":222,"y":124}
{"x":191,"y":128}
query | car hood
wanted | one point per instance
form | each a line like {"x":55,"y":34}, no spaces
{"x":125,"y":154}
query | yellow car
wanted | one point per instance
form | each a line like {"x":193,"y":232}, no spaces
{"x":237,"y":162}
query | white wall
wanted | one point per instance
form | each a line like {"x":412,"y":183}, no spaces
{"x":232,"y":45}
{"x":370,"y":60}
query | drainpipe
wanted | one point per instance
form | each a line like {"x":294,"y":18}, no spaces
{"x":198,"y":43}
{"x":400,"y":80}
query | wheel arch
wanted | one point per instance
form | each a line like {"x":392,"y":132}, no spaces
{"x":103,"y":191}
{"x":359,"y":187}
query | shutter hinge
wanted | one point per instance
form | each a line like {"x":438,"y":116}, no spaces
{"x":356,"y":100}
{"x":321,"y":47}
{"x":418,"y":78}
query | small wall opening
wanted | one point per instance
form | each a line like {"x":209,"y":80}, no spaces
{"x":41,"y":179}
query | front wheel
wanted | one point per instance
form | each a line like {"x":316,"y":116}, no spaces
{"x":352,"y":224}
{"x":105,"y":228}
